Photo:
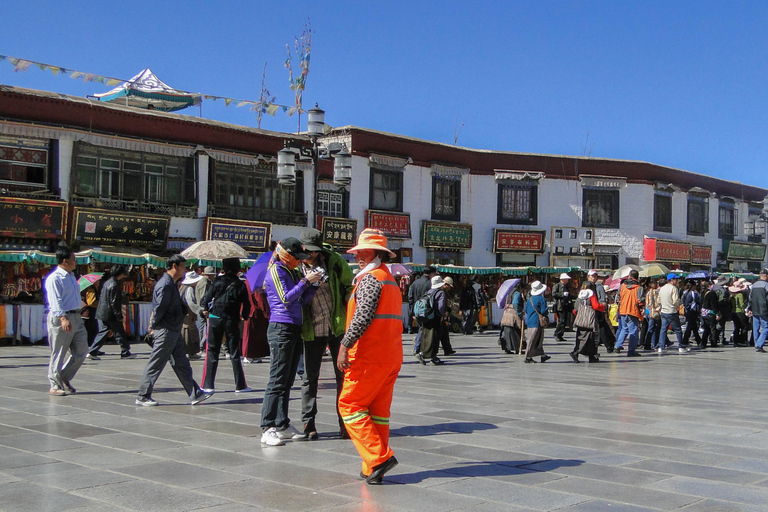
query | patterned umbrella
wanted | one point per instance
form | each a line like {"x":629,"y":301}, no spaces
{"x":214,"y":250}
{"x":398,"y":269}
{"x":89,"y":279}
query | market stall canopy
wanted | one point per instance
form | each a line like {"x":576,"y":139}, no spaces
{"x":147,"y":91}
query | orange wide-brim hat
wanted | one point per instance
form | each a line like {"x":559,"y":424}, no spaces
{"x":371,"y":239}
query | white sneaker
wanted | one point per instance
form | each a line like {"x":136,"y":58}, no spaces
{"x":270,"y":438}
{"x":244,"y":390}
{"x":289,"y":432}
{"x":208,"y":390}
{"x":660,"y":350}
{"x":684,"y":350}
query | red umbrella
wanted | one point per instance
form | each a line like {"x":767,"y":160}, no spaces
{"x":612,"y":284}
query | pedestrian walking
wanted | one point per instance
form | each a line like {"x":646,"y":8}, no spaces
{"x":371,"y":355}
{"x":710,"y":315}
{"x":445,"y":330}
{"x":324,"y":323}
{"x":585,"y":313}
{"x":420,"y":286}
{"x":66,"y":331}
{"x":287,"y":292}
{"x":431,"y":329}
{"x":202,"y":287}
{"x":470,"y":303}
{"x":90,"y":301}
{"x":653,"y":316}
{"x":109,"y":315}
{"x":739,"y":291}
{"x":189,"y":329}
{"x":692,"y":307}
{"x":631,"y":306}
{"x":758,"y":310}
{"x":563,"y":305}
{"x":512,"y":322}
{"x":167,"y":318}
{"x":535,"y":309}
{"x":669,"y":296}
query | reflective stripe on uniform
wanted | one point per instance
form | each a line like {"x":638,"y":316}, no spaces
{"x":354,"y":418}
{"x":382,"y":316}
{"x":392,"y":283}
{"x":380,"y":420}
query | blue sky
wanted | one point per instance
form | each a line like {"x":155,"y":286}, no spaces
{"x":680,"y":83}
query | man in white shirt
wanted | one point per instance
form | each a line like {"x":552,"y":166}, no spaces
{"x":66,"y":330}
{"x":669,"y":296}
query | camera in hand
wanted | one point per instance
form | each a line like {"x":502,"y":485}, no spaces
{"x":323,"y":275}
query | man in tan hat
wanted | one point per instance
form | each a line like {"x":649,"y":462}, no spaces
{"x":371,"y":354}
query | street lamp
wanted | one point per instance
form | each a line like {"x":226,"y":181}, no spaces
{"x":286,"y":157}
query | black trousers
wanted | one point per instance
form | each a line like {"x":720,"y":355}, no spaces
{"x":692,"y":327}
{"x":711,"y":334}
{"x":217,"y":328}
{"x":585,"y":342}
{"x":313,"y":358}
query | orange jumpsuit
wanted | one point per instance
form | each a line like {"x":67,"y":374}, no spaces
{"x":375,"y":360}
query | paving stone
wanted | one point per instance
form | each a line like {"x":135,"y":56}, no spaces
{"x":632,"y":495}
{"x":27,"y":497}
{"x":147,"y":495}
{"x":697,"y":471}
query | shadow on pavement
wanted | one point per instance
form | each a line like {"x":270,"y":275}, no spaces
{"x":459,"y":427}
{"x":484,"y":469}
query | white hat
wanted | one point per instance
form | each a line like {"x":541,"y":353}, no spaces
{"x":564,"y":276}
{"x":437,"y":282}
{"x":590,"y":273}
{"x":191,"y":277}
{"x":537,"y":288}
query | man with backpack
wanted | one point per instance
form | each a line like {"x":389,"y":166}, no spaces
{"x":418,"y":289}
{"x":225,"y":304}
{"x":631,"y":306}
{"x":430,"y":310}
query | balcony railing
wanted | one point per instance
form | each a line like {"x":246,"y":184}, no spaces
{"x":173,"y":210}
{"x":259,"y":214}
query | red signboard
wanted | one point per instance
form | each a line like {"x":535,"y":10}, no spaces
{"x":656,"y":249}
{"x":701,"y":255}
{"x":505,"y":240}
{"x":395,"y":225}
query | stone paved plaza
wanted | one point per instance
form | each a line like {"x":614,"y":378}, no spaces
{"x":484,"y":432}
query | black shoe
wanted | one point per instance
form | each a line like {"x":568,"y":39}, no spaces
{"x":450,"y":352}
{"x":379,"y":471}
{"x":362,"y":475}
{"x":594,"y":359}
{"x":127,"y":355}
{"x":529,"y":360}
{"x":194,"y":357}
{"x":421,"y":359}
{"x":544,"y":359}
{"x":344,"y":434}
{"x":575,"y":357}
{"x":633,"y":354}
{"x":508,"y":351}
{"x":609,"y":349}
{"x":100,"y":353}
{"x":436,"y":361}
{"x":559,"y":338}
{"x":618,"y":350}
{"x":760,"y":349}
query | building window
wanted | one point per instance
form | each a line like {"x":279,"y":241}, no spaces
{"x":132,"y":176}
{"x":386,"y":190}
{"x":607,"y":261}
{"x":23,"y":163}
{"x":330,"y":204}
{"x":754,"y":227}
{"x":446,"y":198}
{"x":250,"y":192}
{"x":445,"y":257}
{"x":662,"y":211}
{"x":600,"y":208}
{"x":517,"y":204}
{"x":698,"y":215}
{"x":727,"y":221}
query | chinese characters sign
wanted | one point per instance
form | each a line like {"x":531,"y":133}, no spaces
{"x":701,"y":255}
{"x":339,"y":232}
{"x":446,"y":235}
{"x":656,"y":249}
{"x":746,"y":251}
{"x":505,"y":240}
{"x":32,"y":219}
{"x":102,"y":227}
{"x":395,"y":225}
{"x":250,"y":235}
